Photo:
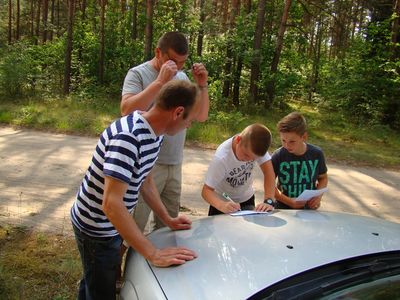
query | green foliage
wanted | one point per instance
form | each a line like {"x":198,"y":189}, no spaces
{"x":16,"y":71}
{"x":362,"y":80}
{"x":366,"y":88}
{"x":26,"y":69}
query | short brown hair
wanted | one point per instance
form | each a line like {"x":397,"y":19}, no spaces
{"x":258,"y":137}
{"x":293,"y":122}
{"x":177,"y":93}
{"x":174,"y":40}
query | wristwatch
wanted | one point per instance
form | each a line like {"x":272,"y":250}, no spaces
{"x":270,"y":201}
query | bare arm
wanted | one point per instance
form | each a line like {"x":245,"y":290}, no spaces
{"x":269,"y":185}
{"x":211,"y":197}
{"x":200,"y":76}
{"x":143,"y":100}
{"x":287,"y":200}
{"x":315,"y":202}
{"x":152,"y":198}
{"x":116,"y":212}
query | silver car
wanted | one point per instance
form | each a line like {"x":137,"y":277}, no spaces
{"x":287,"y":254}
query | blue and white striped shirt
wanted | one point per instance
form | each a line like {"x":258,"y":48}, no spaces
{"x":127,"y":151}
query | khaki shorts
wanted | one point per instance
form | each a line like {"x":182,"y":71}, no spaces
{"x":168,"y":180}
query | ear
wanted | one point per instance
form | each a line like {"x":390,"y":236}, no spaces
{"x":305,"y":136}
{"x":157,"y":53}
{"x":238,"y":138}
{"x":178,"y":112}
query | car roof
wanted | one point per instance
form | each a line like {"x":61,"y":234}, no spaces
{"x":238,"y":256}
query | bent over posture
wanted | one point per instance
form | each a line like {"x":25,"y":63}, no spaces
{"x":121,"y":165}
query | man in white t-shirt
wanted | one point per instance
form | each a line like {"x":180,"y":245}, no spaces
{"x":228,"y":184}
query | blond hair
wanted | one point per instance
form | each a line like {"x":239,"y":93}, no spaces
{"x":293,"y":122}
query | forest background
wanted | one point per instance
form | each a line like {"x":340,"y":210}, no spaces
{"x":63,"y":62}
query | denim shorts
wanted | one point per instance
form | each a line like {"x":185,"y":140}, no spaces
{"x":100,"y":261}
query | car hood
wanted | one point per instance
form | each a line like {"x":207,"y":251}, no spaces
{"x":238,"y":256}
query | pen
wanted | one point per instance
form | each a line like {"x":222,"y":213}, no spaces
{"x":226,"y":196}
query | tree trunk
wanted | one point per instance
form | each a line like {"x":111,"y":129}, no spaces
{"x":17,"y":29}
{"x":51,"y":33}
{"x":149,"y":29}
{"x":201,"y":29}
{"x":239,"y":65}
{"x":134,"y":20}
{"x":229,"y":58}
{"x":255,"y":64}
{"x":314,"y":77}
{"x":32,"y":19}
{"x":9,"y":22}
{"x":395,"y":32}
{"x":39,"y":4}
{"x":101,"y":55}
{"x":44,"y":20}
{"x":68,"y":52}
{"x":58,"y":18}
{"x":277,"y":54}
{"x":83,"y":9}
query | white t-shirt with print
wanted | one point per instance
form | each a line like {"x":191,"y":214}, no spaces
{"x":228,"y":174}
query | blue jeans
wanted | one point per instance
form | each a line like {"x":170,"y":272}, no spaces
{"x":101,"y":261}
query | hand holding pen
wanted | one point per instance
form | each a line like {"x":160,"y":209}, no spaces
{"x":230,"y":206}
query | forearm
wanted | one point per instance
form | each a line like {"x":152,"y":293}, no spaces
{"x":141,"y":101}
{"x":205,"y":105}
{"x":211,"y":197}
{"x":150,"y":194}
{"x":322,"y":181}
{"x":116,"y":212}
{"x":129,"y":231}
{"x":281,"y":197}
{"x":269,"y":180}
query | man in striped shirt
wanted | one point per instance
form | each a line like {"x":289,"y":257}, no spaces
{"x":121,"y":165}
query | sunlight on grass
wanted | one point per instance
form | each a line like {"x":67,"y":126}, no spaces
{"x":340,"y":139}
{"x":37,"y":265}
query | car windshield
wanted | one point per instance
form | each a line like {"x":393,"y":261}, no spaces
{"x":385,"y":288}
{"x":375,"y":276}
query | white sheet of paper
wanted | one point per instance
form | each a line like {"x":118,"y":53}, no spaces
{"x":308,"y":194}
{"x":249,"y":212}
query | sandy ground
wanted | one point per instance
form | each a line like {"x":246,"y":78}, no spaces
{"x":40,"y":174}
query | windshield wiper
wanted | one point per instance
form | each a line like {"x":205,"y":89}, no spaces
{"x":327,"y":279}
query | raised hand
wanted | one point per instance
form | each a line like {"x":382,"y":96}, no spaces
{"x":200,"y":74}
{"x":168,"y":71}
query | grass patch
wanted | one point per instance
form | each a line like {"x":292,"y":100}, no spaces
{"x":35,"y":265}
{"x":341,"y":139}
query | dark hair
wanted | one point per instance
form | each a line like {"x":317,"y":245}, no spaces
{"x":173,"y":40}
{"x":177,"y":93}
{"x":258,"y":137}
{"x":293,"y":122}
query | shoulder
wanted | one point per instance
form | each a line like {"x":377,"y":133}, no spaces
{"x":224,"y":149}
{"x":278,"y":152}
{"x":145,"y":67}
{"x":314,"y":149}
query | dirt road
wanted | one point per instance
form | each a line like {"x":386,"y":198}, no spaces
{"x":40,"y":174}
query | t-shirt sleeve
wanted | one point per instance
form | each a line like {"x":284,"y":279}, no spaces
{"x":215,"y":173}
{"x":322,"y":166}
{"x":120,"y":157}
{"x":133,"y":83}
{"x":275,"y":161}
{"x":263,"y":159}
